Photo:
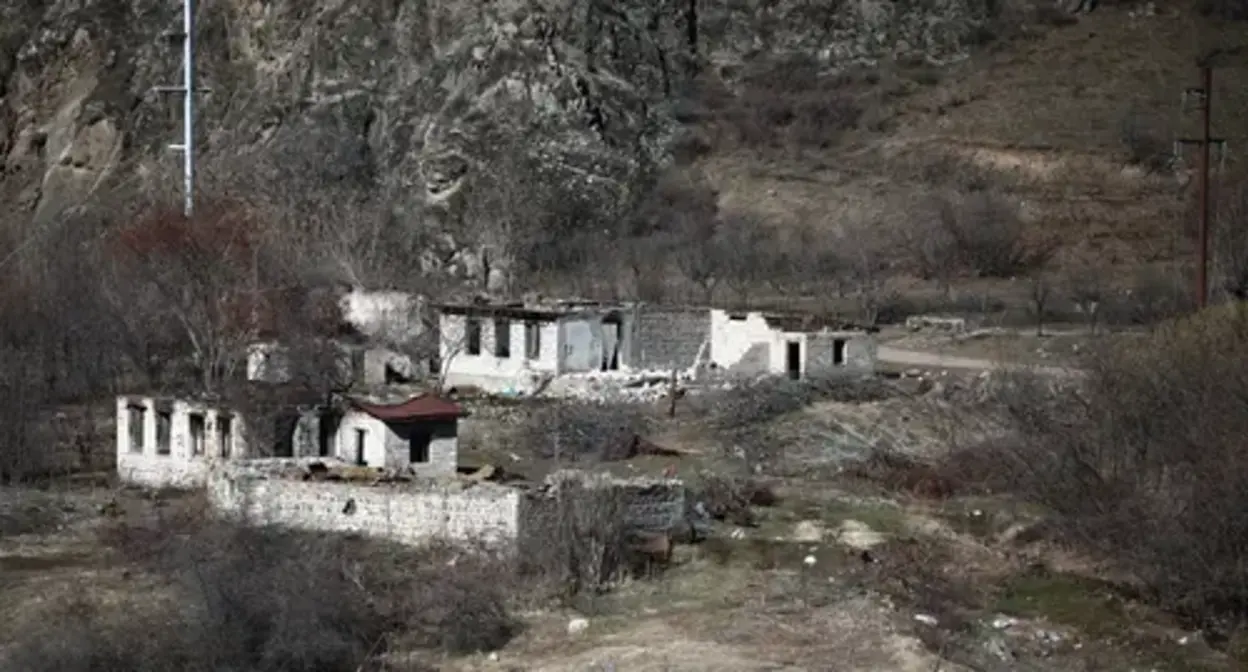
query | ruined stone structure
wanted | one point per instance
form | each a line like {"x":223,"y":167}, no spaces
{"x":179,"y":442}
{"x":672,"y":337}
{"x":756,"y":343}
{"x":518,"y":348}
{"x":265,"y":492}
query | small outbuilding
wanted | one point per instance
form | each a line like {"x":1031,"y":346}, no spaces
{"x":419,"y":434}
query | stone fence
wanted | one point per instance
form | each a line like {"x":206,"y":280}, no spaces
{"x":419,"y":511}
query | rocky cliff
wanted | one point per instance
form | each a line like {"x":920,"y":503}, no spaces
{"x":406,"y":101}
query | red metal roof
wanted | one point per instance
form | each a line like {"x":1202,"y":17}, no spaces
{"x":422,"y":407}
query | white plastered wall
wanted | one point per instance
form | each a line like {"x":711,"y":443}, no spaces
{"x":488,"y":371}
{"x":180,"y":468}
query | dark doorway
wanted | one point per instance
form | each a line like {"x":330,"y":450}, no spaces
{"x":838,"y":351}
{"x":360,"y":435}
{"x":325,"y":438}
{"x":418,"y":442}
{"x":284,"y":435}
{"x":612,"y":339}
{"x":793,"y":359}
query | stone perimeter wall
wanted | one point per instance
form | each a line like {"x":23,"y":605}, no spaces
{"x":408,"y":515}
{"x":413,"y":513}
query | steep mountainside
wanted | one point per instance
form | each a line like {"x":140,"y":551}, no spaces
{"x":399,"y":97}
{"x":442,"y":111}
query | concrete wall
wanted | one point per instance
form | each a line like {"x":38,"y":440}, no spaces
{"x":670,"y":338}
{"x":407,"y":513}
{"x":346,"y":437}
{"x":748,"y":345}
{"x":492,"y":373}
{"x":143,"y":465}
{"x":580,"y":344}
{"x":393,"y":317}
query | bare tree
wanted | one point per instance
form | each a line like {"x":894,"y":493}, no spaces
{"x":1086,"y":287}
{"x":989,"y":236}
{"x":1230,"y":257}
{"x":746,"y":252}
{"x":1040,"y":288}
{"x":204,"y":275}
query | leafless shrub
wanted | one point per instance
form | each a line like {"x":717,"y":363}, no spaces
{"x":1088,"y":289}
{"x":1153,"y":297}
{"x":791,"y":102}
{"x":1145,"y":146}
{"x":896,"y":472}
{"x":579,"y":542}
{"x":1040,"y":293}
{"x":259,"y":599}
{"x":732,"y":499}
{"x":1230,"y":243}
{"x":988,"y":237}
{"x":1125,"y":468}
{"x":582,"y":432}
{"x":1229,"y":10}
{"x":741,"y":415}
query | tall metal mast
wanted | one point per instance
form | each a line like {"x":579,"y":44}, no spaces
{"x":188,"y":91}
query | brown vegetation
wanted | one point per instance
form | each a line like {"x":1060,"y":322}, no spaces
{"x":1140,"y":462}
{"x":260,"y":599}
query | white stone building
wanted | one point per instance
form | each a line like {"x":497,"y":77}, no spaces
{"x":517,"y":348}
{"x":178,"y":442}
{"x":174,"y":443}
{"x":757,"y":343}
{"x":420,"y":435}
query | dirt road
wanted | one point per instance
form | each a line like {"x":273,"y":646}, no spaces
{"x":933,"y":360}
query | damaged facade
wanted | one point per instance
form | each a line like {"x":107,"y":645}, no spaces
{"x":519,"y":348}
{"x":797,"y":346}
{"x":169,"y":442}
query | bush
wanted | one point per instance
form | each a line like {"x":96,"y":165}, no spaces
{"x":1144,"y":461}
{"x":583,"y":432}
{"x":987,"y":236}
{"x":1230,"y":10}
{"x":258,"y":599}
{"x":741,"y":415}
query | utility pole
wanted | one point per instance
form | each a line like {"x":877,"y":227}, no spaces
{"x":188,"y":91}
{"x":1203,"y":95}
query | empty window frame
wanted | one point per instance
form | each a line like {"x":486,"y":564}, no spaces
{"x":164,"y":432}
{"x":502,"y":338}
{"x":532,"y":340}
{"x":137,"y":417}
{"x":472,"y":336}
{"x":225,"y":435}
{"x":196,"y":426}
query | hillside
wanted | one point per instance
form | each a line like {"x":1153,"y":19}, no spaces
{"x":442,"y":118}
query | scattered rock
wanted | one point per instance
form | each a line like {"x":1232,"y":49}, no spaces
{"x":808,"y":531}
{"x":858,"y":535}
{"x":578,"y":625}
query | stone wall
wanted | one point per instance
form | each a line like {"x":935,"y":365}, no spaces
{"x":656,"y":505}
{"x":265,"y":492}
{"x":669,"y":338}
{"x":408,"y":513}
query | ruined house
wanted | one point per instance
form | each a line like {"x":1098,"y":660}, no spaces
{"x":177,"y":442}
{"x":795,"y":345}
{"x":517,"y":347}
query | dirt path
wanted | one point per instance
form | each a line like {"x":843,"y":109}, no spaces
{"x":938,"y":361}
